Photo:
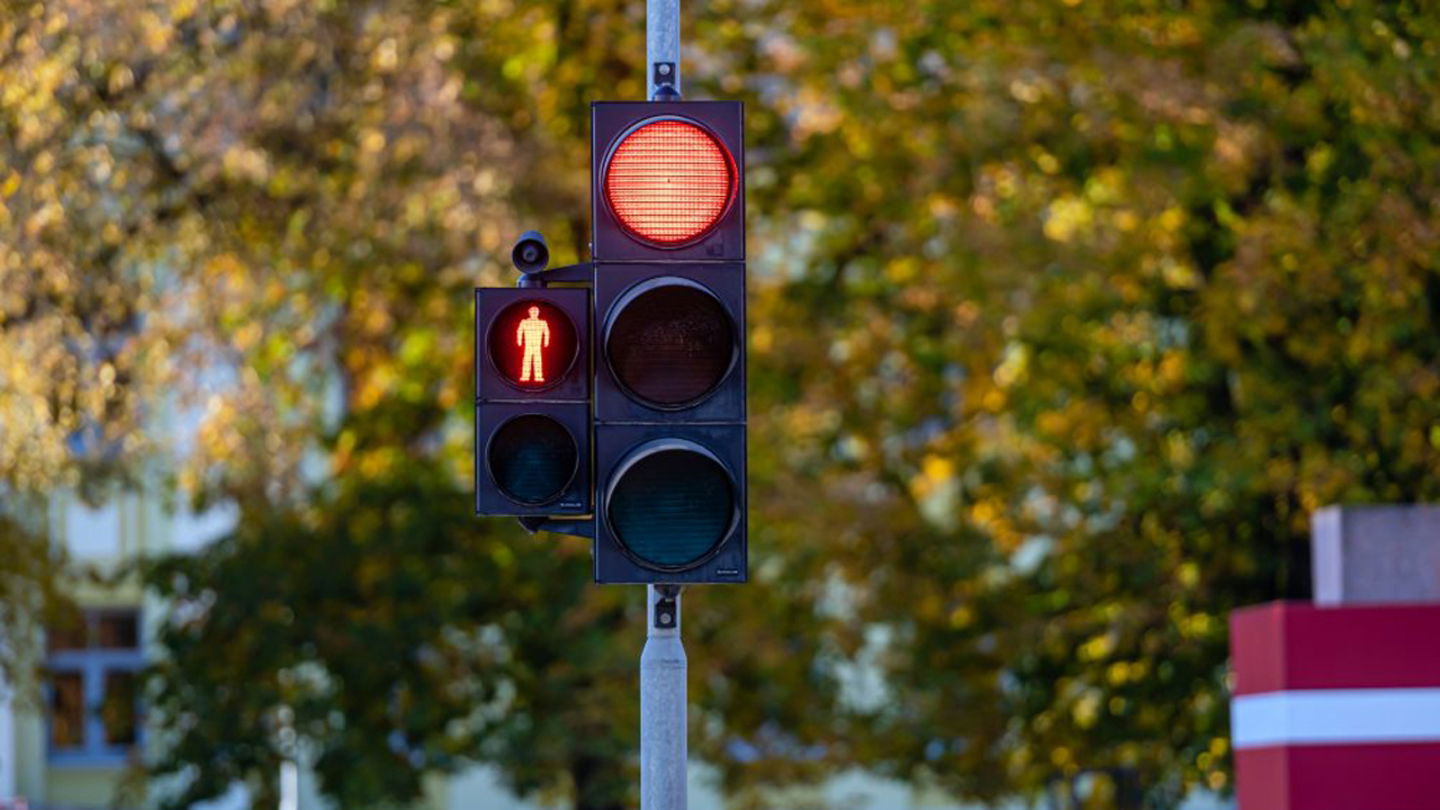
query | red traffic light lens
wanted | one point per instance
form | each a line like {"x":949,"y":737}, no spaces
{"x":532,"y":344}
{"x":669,"y":181}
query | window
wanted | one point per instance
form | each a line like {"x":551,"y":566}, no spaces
{"x":117,"y":712}
{"x":94,"y":687}
{"x":117,"y":631}
{"x":67,"y":710}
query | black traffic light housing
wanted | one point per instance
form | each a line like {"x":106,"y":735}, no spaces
{"x":621,"y":292}
{"x":670,"y":491}
{"x":611,"y":122}
{"x":532,"y":436}
{"x":672,"y":503}
{"x":639,"y":440}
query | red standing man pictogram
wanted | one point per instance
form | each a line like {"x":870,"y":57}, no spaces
{"x":532,"y":335}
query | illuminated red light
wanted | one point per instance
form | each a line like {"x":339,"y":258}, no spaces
{"x":533,"y":344}
{"x":533,"y":337}
{"x":669,"y":181}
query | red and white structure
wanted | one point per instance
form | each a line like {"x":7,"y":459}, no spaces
{"x":1337,"y":705}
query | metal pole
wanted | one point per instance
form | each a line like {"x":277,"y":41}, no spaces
{"x":662,"y":47}
{"x":662,"y":703}
{"x":662,"y":663}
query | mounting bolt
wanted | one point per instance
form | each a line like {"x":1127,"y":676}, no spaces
{"x":665,"y":605}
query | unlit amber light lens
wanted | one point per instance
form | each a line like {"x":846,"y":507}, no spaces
{"x":671,"y":345}
{"x":669,"y":182}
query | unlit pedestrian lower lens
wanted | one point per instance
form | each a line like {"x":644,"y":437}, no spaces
{"x":532,"y":459}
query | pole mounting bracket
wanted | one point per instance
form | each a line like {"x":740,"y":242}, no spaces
{"x":662,"y":78}
{"x":666,"y":606}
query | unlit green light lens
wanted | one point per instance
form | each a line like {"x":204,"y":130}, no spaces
{"x":672,"y":508}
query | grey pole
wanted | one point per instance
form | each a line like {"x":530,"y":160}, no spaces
{"x":662,"y":663}
{"x":662,"y":703}
{"x":662,"y":45}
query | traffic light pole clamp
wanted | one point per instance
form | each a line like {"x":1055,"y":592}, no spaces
{"x":576,"y":528}
{"x":570,"y":272}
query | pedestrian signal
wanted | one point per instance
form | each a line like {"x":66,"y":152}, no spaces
{"x":532,"y":344}
{"x":532,"y":458}
{"x":532,"y":405}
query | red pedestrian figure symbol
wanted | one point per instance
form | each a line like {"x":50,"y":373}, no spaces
{"x":533,"y":335}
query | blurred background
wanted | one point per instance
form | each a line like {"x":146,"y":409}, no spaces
{"x":1065,"y":316}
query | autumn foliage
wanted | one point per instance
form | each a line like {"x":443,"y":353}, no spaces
{"x":1065,"y":316}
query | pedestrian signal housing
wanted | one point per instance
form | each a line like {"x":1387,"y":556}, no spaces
{"x":532,"y":404}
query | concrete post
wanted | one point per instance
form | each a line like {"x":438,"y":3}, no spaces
{"x":1375,"y":554}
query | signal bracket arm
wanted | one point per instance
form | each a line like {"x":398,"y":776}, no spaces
{"x":583,"y":271}
{"x":576,"y":528}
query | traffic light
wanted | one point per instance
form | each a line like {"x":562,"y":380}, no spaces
{"x":532,"y":400}
{"x":668,"y":246}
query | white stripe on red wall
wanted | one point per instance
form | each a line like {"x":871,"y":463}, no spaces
{"x":1331,"y":716}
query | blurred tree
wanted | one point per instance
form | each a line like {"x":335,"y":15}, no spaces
{"x":31,"y":594}
{"x":76,"y":356}
{"x":1066,"y":316}
{"x":1079,"y":310}
{"x":316,"y":187}
{"x":81,"y":301}
{"x":377,"y":636}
